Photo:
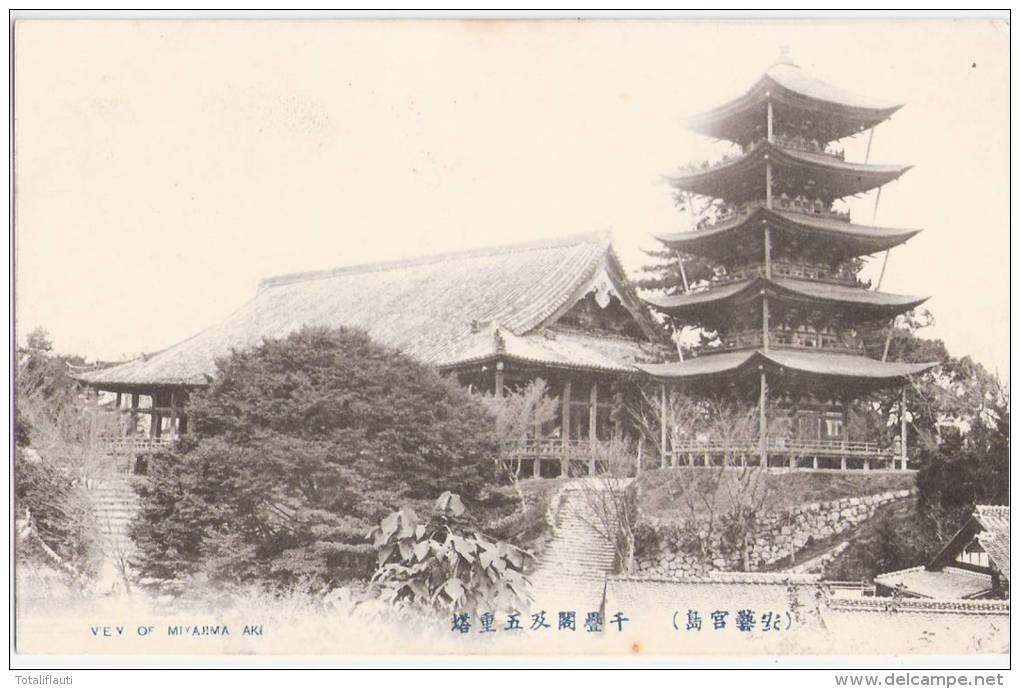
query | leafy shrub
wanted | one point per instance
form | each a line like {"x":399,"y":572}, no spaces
{"x":443,"y":563}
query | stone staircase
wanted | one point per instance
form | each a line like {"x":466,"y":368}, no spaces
{"x":570,"y":573}
{"x":116,"y":504}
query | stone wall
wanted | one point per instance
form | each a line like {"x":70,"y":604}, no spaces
{"x":776,"y":536}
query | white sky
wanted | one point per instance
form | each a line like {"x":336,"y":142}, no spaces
{"x":163,"y":168}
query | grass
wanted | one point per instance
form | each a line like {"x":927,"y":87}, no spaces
{"x":663,"y":490}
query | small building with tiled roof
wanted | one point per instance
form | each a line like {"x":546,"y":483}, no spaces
{"x":973,"y":564}
{"x":561,"y":310}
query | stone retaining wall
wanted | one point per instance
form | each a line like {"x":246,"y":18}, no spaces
{"x":778,"y":535}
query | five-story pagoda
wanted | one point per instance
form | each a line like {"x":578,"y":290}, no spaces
{"x":786,"y":301}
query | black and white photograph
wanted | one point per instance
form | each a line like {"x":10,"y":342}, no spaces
{"x":668,"y":339}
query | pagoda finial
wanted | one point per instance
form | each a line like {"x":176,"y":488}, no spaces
{"x":784,"y":57}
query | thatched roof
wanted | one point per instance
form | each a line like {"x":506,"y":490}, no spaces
{"x":445,"y":310}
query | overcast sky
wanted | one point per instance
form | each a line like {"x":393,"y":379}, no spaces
{"x":163,"y":168}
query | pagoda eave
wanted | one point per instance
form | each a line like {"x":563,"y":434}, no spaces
{"x":837,"y":112}
{"x":816,"y":369}
{"x":863,"y":304}
{"x":838,"y":239}
{"x":743,"y":178}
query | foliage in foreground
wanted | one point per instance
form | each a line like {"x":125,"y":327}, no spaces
{"x":443,"y":563}
{"x":300,"y":445}
{"x":60,"y":513}
{"x":53,"y":431}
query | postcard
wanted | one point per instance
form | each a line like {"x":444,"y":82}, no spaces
{"x":624,"y":337}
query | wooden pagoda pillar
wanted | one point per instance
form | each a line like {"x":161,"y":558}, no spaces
{"x":762,"y":425}
{"x":662,"y":426}
{"x":903,"y":428}
{"x":763,"y":382}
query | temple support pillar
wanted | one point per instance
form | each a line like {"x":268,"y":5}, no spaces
{"x":565,"y":426}
{"x":154,"y":420}
{"x":173,"y":414}
{"x":134,"y":414}
{"x":499,"y":383}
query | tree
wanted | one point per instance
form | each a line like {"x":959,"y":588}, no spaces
{"x":966,"y":470}
{"x":56,"y":414}
{"x":518,"y":413}
{"x":610,"y":508}
{"x":39,"y":340}
{"x":299,"y":445}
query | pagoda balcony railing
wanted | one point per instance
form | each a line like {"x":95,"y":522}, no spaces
{"x":787,"y":339}
{"x":796,"y":143}
{"x":802,"y":204}
{"x":128,"y":445}
{"x":800,"y":143}
{"x":785,"y":269}
{"x":797,"y":204}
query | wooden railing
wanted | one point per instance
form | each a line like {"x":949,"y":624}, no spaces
{"x":784,"y":203}
{"x":125,"y":445}
{"x":552,"y":448}
{"x":782,"y":446}
{"x":802,"y":271}
{"x":788,"y":339}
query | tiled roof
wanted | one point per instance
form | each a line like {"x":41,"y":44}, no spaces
{"x":439,"y":309}
{"x":947,"y":583}
{"x":994,"y":538}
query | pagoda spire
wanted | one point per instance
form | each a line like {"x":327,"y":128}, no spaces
{"x":785,"y":57}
